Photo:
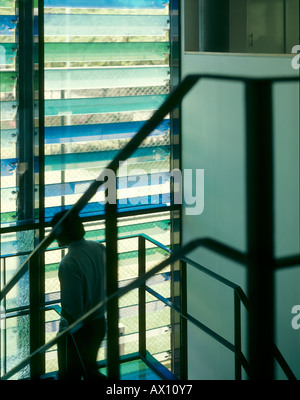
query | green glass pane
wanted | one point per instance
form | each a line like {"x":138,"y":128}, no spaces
{"x":83,"y":52}
{"x":100,"y":105}
{"x":7,"y":3}
{"x":8,"y":217}
{"x":7,"y":81}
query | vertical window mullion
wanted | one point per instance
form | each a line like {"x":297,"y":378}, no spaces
{"x":41,"y":172}
{"x":27,"y":115}
{"x":25,"y":146}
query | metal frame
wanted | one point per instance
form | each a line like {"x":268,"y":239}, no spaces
{"x":26,"y":194}
{"x":260,"y":229}
{"x":178,"y":294}
{"x":25,"y":118}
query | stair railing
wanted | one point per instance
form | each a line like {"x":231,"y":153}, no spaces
{"x":140,"y":284}
{"x":239,"y":298}
{"x":103,"y":305}
{"x":260,"y":255}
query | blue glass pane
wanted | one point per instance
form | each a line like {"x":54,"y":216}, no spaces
{"x":8,"y":166}
{"x":7,"y":24}
{"x":110,"y":131}
{"x":106,"y":3}
{"x":144,"y":202}
{"x":81,"y":160}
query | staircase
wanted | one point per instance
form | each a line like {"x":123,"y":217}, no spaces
{"x":260,"y":348}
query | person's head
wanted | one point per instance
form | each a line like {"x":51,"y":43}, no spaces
{"x":71,"y":229}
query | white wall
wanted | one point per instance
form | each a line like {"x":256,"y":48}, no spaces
{"x":213,"y":139}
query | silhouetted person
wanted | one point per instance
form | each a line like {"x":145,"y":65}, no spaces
{"x":82,"y":281}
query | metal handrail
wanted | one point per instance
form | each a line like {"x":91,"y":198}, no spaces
{"x":102,"y":305}
{"x":238,"y":293}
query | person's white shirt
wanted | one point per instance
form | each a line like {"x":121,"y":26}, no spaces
{"x":82,"y":279}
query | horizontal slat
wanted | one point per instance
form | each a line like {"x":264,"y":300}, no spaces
{"x":98,"y":209}
{"x":93,"y":25}
{"x":127,"y":4}
{"x":77,"y":188}
{"x":71,"y":188}
{"x":85,"y":133}
{"x":103,"y":105}
{"x":89,"y":106}
{"x":60,"y":162}
{"x":91,"y":79}
{"x":10,"y":248}
{"x":105,"y":25}
{"x":104,"y":52}
{"x":105,"y":78}
{"x":78,"y":133}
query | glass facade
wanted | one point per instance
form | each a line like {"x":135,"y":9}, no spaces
{"x":78,"y":80}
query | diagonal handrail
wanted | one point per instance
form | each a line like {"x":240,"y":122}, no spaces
{"x":100,"y":306}
{"x":238,"y":291}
